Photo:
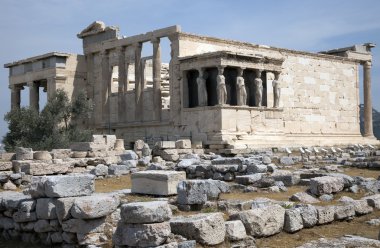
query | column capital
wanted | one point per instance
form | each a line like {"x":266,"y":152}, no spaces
{"x":155,"y":40}
{"x":221,"y":69}
{"x":276,"y":75}
{"x":31,"y":84}
{"x":367,"y":63}
{"x":104,"y":53}
{"x":137,"y":45}
{"x":120,"y":49}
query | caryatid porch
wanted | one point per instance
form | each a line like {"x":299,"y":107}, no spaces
{"x":226,"y":78}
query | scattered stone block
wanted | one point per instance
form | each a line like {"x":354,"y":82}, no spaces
{"x":24,"y":153}
{"x":235,"y":230}
{"x":145,"y":235}
{"x":262,"y":222}
{"x":42,"y":226}
{"x":84,"y":226}
{"x":373,"y":200}
{"x":166,"y":144}
{"x":293,"y":220}
{"x":304,"y":198}
{"x":40,"y":168}
{"x":207,"y":229}
{"x":287,"y":177}
{"x":45,"y":209}
{"x":146,"y":212}
{"x":343,"y":212}
{"x":183,"y":144}
{"x":256,"y":168}
{"x":6,"y":166}
{"x":42,"y":155}
{"x":92,"y":240}
{"x":199,"y":191}
{"x":169,"y":154}
{"x":9,"y":186}
{"x":309,"y":215}
{"x":61,"y":153}
{"x":249,"y":179}
{"x":21,"y":217}
{"x":63,"y":208}
{"x":286,"y":160}
{"x":63,"y":186}
{"x":8,"y":156}
{"x":100,"y":170}
{"x":129,"y":155}
{"x":118,"y":169}
{"x":157,"y":182}
{"x":325,"y":214}
{"x":361,"y":207}
{"x":326,"y":185}
{"x":94,"y":206}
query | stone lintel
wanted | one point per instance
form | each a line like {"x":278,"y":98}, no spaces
{"x":227,"y":58}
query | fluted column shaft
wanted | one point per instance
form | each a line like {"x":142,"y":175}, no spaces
{"x":368,"y":128}
{"x":156,"y":79}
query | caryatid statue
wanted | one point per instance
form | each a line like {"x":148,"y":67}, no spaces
{"x":221,"y":87}
{"x":276,"y":90}
{"x":258,"y":89}
{"x":241,"y":91}
{"x":202,"y":90}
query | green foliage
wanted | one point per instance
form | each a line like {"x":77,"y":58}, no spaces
{"x":56,"y":126}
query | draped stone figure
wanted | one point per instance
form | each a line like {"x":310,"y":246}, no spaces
{"x":202,"y":90}
{"x":221,"y":87}
{"x":276,"y":90}
{"x":258,"y":89}
{"x":241,"y":91}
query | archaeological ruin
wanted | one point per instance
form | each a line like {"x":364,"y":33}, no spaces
{"x":229,"y":145}
{"x":226,"y":94}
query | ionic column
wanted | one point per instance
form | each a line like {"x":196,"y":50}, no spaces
{"x":368,"y":129}
{"x":276,"y":90}
{"x":138,"y":86}
{"x":121,"y":86}
{"x":240,"y":89}
{"x":156,"y":79}
{"x":202,"y":90}
{"x":106,"y":81}
{"x":34,"y":96}
{"x":15,"y":96}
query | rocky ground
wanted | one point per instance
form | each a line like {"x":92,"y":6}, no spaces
{"x":178,"y":194}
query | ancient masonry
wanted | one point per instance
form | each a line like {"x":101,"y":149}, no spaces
{"x":226,"y":94}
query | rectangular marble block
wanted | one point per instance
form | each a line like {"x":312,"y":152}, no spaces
{"x":162,"y":183}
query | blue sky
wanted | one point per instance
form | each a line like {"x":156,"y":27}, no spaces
{"x":33,"y":27}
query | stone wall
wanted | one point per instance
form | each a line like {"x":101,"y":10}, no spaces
{"x":319,"y":95}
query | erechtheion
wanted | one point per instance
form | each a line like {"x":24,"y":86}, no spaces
{"x":227,"y":94}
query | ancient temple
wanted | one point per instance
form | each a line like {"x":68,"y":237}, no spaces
{"x":227,"y":94}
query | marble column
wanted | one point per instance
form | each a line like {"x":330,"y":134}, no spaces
{"x":276,"y":90}
{"x":368,"y":128}
{"x":34,"y":96}
{"x":157,"y":104}
{"x":202,"y":89}
{"x":15,"y":96}
{"x":121,"y":87}
{"x":240,"y":89}
{"x":106,"y":81}
{"x":138,"y":84}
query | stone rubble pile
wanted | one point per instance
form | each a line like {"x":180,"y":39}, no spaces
{"x":59,"y":210}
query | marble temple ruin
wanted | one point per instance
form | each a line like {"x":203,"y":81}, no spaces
{"x":227,"y":94}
